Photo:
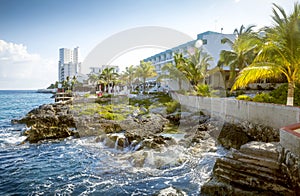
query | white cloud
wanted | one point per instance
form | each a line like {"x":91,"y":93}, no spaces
{"x":21,"y":70}
{"x":237,"y":1}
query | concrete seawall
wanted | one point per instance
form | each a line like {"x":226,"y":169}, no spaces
{"x":229,"y":109}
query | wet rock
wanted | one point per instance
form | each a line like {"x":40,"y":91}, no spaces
{"x":50,"y":121}
{"x":260,"y":132}
{"x":255,"y":169}
{"x":194,"y":135}
{"x":171,"y":192}
{"x":119,"y":141}
{"x":110,"y":127}
{"x":40,"y":132}
{"x":137,"y":159}
{"x":232,"y":136}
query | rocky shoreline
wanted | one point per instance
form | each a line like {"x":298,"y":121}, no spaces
{"x":256,"y":163}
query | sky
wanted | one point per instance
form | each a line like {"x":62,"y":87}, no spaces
{"x":32,"y":31}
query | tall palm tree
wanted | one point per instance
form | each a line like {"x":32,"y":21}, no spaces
{"x":240,"y":55}
{"x":280,"y":53}
{"x":129,"y":75}
{"x":108,"y":77}
{"x":145,"y":70}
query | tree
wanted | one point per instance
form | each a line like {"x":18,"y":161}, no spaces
{"x":279,"y":55}
{"x":66,"y":83}
{"x":129,"y":75}
{"x":240,"y":55}
{"x":196,"y":67}
{"x":145,"y":70}
{"x":172,"y":72}
{"x":93,"y":78}
{"x":73,"y":82}
{"x":108,"y":77}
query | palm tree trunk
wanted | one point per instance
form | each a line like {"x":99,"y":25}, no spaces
{"x":144,"y":84}
{"x":179,"y":83}
{"x":290,"y":94}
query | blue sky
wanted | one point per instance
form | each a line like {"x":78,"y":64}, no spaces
{"x":32,"y":31}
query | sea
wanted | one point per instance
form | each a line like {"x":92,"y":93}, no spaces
{"x":83,"y":166}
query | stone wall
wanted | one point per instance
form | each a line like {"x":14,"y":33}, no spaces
{"x":230,"y":109}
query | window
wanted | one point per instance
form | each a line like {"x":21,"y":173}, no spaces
{"x":204,"y":41}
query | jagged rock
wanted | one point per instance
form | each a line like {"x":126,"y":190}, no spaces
{"x":110,"y":127}
{"x":49,"y":121}
{"x":41,"y":132}
{"x":254,"y":169}
{"x":171,"y":192}
{"x":260,"y":132}
{"x":215,"y":187}
{"x":232,"y":136}
{"x":194,"y":135}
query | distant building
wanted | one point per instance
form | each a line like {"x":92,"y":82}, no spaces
{"x":209,"y":42}
{"x":98,"y":70}
{"x":68,"y":64}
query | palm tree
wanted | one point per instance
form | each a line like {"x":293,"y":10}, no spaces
{"x":196,"y":67}
{"x":279,"y":55}
{"x":172,"y":72}
{"x":66,"y":83}
{"x":73,"y":82}
{"x":145,"y":70}
{"x":108,"y":77}
{"x":180,"y":61}
{"x":241,"y":54}
{"x":129,"y":75}
{"x":93,"y":78}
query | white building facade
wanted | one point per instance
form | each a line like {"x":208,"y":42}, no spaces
{"x":98,"y":70}
{"x":209,"y":42}
{"x":68,"y":64}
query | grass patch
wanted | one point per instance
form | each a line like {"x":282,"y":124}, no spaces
{"x":109,"y":112}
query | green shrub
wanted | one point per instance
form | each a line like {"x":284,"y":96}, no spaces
{"x":111,"y":115}
{"x":244,"y":97}
{"x":172,"y":106}
{"x":106,"y":95}
{"x":202,"y":90}
{"x":86,"y":95}
{"x":263,"y":97}
{"x":280,"y":94}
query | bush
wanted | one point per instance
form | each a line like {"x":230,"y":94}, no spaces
{"x":264,"y":97}
{"x":172,"y":106}
{"x":202,"y":90}
{"x":86,"y":95}
{"x":244,"y":97}
{"x":280,"y":94}
{"x":111,"y":115}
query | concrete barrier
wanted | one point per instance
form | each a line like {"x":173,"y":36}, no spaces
{"x":290,"y":138}
{"x":273,"y":115}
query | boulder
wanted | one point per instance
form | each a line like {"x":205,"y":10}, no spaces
{"x":171,"y":192}
{"x":255,"y":169}
{"x":41,"y":132}
{"x":232,"y":136}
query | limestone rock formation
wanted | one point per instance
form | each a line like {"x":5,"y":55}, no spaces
{"x":255,"y":169}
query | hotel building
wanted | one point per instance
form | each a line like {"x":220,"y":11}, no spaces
{"x":209,"y":42}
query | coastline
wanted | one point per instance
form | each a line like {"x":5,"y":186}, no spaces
{"x":142,"y":131}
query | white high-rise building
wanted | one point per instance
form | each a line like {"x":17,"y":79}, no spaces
{"x":68,"y":64}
